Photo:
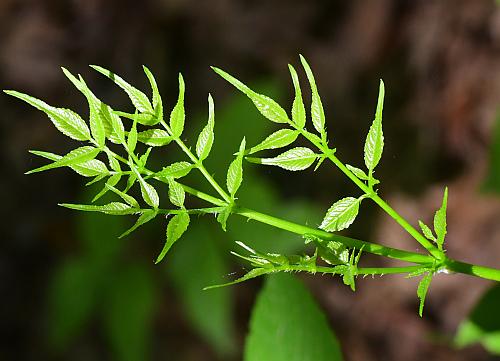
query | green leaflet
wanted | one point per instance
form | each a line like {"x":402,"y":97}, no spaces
{"x":148,"y":192}
{"x":177,"y":116}
{"x":157,"y":103}
{"x":341,"y":214}
{"x":113,"y":208}
{"x":357,"y":172}
{"x":138,"y":98}
{"x":265,"y":105}
{"x":175,"y":229}
{"x":298,"y":110}
{"x":278,"y":139}
{"x":223,"y":215}
{"x":288,"y":325}
{"x":317,"y":112}
{"x":132,"y":138}
{"x":440,"y":221}
{"x":154,"y":137}
{"x":146,"y":216}
{"x":112,"y":181}
{"x":75,"y":157}
{"x":295,"y":159}
{"x":66,"y":121}
{"x":127,"y":198}
{"x":374,"y":143}
{"x":176,"y":193}
{"x":206,"y":137}
{"x":235,"y":171}
{"x":423,"y":286}
{"x":175,"y":170}
{"x":426,"y":231}
{"x":90,"y":168}
{"x":253,"y":273}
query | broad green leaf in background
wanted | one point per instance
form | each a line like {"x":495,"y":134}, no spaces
{"x":154,"y":137}
{"x":298,"y":110}
{"x":206,"y":137}
{"x":128,"y":313}
{"x":235,"y":171}
{"x":175,"y":229}
{"x":138,"y":98}
{"x":341,"y":214}
{"x":75,"y":157}
{"x":287,"y":325}
{"x":440,"y":221}
{"x":483,"y":323}
{"x":295,"y":159}
{"x":178,"y":115}
{"x":66,"y":121}
{"x":279,"y":139}
{"x":317,"y":112}
{"x":265,"y":105}
{"x":374,"y":144}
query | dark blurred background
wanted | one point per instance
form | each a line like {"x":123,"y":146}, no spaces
{"x":70,"y":290}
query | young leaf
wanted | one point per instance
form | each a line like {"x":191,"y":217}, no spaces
{"x":118,"y":130}
{"x":66,"y":121}
{"x":96,"y":120}
{"x":145,"y":217}
{"x":265,"y":105}
{"x":90,"y":168}
{"x":132,"y":138}
{"x":157,"y":103}
{"x":278,"y":139}
{"x":176,"y":193}
{"x":75,"y":157}
{"x":112,"y":181}
{"x":138,"y":98}
{"x":223,"y":216}
{"x":148,"y":192}
{"x":113,"y":208}
{"x":357,"y":172}
{"x":317,"y":112}
{"x":426,"y":231}
{"x":341,"y":214}
{"x":440,"y":220}
{"x":206,"y":137}
{"x":423,"y":286}
{"x":175,"y":229}
{"x":175,"y":170}
{"x":154,"y":137}
{"x":178,"y":115}
{"x":299,"y":158}
{"x":374,"y":143}
{"x":127,"y":198}
{"x":235,"y":171}
{"x":298,"y":110}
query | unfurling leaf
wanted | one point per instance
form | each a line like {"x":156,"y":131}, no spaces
{"x":357,"y":172}
{"x":138,"y":98}
{"x":235,"y":171}
{"x":177,"y":116}
{"x":341,"y":214}
{"x":145,"y":217}
{"x":66,"y":121}
{"x":295,"y":159}
{"x":154,"y":137}
{"x":113,"y":208}
{"x":176,"y":193}
{"x":426,"y":231}
{"x":317,"y":112}
{"x":374,"y":144}
{"x":423,"y":286}
{"x":175,"y":229}
{"x":148,"y":192}
{"x":265,"y":105}
{"x":157,"y":103}
{"x":298,"y":110}
{"x":175,"y":170}
{"x":206,"y":137}
{"x":75,"y":157}
{"x":440,"y":220}
{"x":278,"y":139}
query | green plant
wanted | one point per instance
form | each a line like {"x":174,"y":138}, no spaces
{"x":147,"y":127}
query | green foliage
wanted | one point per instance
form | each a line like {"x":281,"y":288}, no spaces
{"x":287,"y":325}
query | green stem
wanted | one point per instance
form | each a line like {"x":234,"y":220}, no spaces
{"x":473,"y":270}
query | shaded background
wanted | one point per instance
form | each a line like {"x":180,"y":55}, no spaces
{"x":72,"y":291}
